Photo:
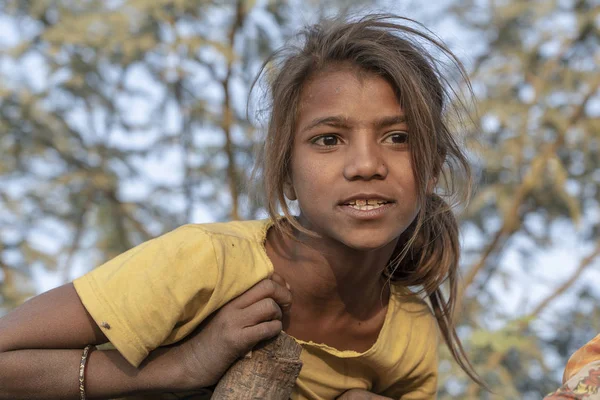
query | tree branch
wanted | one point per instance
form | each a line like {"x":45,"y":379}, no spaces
{"x":186,"y":144}
{"x":583,"y":265}
{"x":512,"y":220}
{"x":79,"y":228}
{"x":227,"y":121}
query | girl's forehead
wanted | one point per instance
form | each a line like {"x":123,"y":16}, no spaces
{"x":337,"y":74}
{"x":346,"y":92}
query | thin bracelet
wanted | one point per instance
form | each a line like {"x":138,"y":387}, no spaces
{"x":84,"y":356}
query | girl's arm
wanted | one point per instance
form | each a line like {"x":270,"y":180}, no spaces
{"x":41,"y":343}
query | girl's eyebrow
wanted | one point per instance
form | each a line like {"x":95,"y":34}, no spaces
{"x":345,"y":122}
{"x":334,"y":121}
{"x":389,"y":121}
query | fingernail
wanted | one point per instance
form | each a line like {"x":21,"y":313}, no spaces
{"x":287,"y":285}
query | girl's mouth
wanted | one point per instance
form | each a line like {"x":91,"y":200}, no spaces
{"x":366,"y":205}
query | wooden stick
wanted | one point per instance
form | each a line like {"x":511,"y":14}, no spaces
{"x":269,"y":372}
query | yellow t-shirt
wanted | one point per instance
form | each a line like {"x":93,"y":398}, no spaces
{"x":157,"y":293}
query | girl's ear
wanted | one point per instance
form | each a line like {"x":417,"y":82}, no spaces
{"x":288,"y":190}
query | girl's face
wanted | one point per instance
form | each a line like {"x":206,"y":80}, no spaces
{"x":351,"y":165}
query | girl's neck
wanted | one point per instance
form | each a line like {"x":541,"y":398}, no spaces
{"x":330,"y":278}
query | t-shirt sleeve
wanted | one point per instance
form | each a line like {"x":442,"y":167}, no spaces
{"x":154,"y":292}
{"x":422,"y":363}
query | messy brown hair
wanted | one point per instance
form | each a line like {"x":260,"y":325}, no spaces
{"x":395,"y":49}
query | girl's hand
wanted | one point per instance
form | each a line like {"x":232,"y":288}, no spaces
{"x":360,"y":394}
{"x":232,"y":332}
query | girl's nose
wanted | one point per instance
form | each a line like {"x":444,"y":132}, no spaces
{"x":364,"y":162}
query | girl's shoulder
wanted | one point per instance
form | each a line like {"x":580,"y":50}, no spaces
{"x":205,"y":238}
{"x":224,"y":236}
{"x":252,"y":229}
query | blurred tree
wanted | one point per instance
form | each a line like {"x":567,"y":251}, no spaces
{"x":97,"y":98}
{"x":538,"y":154}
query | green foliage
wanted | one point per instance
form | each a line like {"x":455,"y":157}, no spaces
{"x":112,"y":91}
{"x":537,"y":148}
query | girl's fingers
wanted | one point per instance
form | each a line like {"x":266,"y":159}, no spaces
{"x":285,"y":305}
{"x":279,"y":279}
{"x":265,"y":330}
{"x":261,"y":311}
{"x":267,"y":288}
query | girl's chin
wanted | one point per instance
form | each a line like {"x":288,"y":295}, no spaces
{"x":365,"y":240}
{"x":367,"y":244}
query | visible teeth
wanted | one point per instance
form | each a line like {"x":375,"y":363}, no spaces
{"x":369,"y":202}
{"x":365,"y":207}
{"x":375,"y":202}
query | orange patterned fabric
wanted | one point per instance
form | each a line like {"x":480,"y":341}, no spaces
{"x":585,"y":355}
{"x":584,"y":385}
{"x":582,"y":375}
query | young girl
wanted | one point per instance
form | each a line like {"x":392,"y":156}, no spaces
{"x":359,"y":139}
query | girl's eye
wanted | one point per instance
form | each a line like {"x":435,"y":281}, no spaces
{"x":397,"y":138}
{"x":326,"y":140}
